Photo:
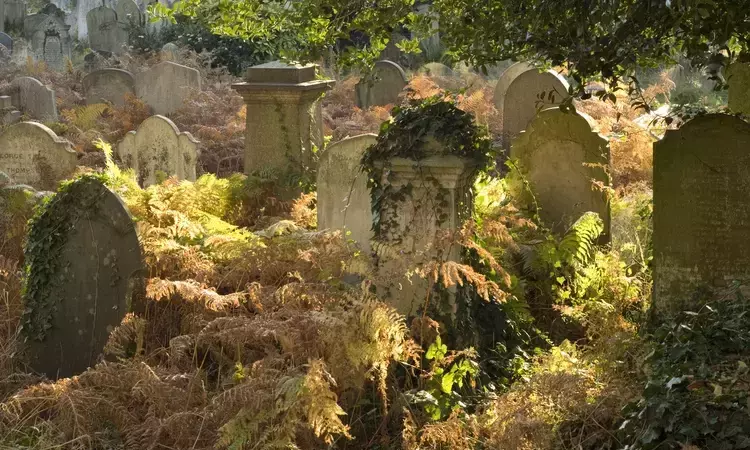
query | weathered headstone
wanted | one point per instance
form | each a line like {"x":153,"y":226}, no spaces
{"x":32,"y":154}
{"x":169,"y":52}
{"x":518,"y":97}
{"x":6,"y":41}
{"x":561,"y":157}
{"x":105,"y":32}
{"x":738,"y":79}
{"x":108,"y":86}
{"x":95,"y":277}
{"x":701,"y":218}
{"x":8,"y":114}
{"x":129,"y":13}
{"x":82,"y":9}
{"x":12,"y":15}
{"x":157,"y":147}
{"x":49,"y":37}
{"x":382,"y":86}
{"x":166,"y":86}
{"x":343,"y":195}
{"x":35,"y":99}
{"x":285,"y":120}
{"x":440,"y":199}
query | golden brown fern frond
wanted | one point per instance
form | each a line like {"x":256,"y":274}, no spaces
{"x":127,"y":339}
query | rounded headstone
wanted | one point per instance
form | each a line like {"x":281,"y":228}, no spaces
{"x":169,"y":52}
{"x":82,"y":280}
{"x":383,"y":86}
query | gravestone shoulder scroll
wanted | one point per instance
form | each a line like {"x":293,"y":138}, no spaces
{"x":33,"y":154}
{"x":517,"y":97}
{"x":159,"y":146}
{"x":701,"y":214}
{"x":108,"y":85}
{"x":561,"y":157}
{"x":166,"y":86}
{"x":343,"y":195}
{"x":82,"y":280}
{"x":381,"y":87}
{"x":35,"y":99}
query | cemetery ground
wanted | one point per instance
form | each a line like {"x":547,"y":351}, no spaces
{"x":249,"y":325}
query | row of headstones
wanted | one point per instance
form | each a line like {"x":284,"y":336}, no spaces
{"x":32,"y":154}
{"x":164,"y":87}
{"x":517,"y":94}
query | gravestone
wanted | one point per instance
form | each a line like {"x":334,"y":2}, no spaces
{"x":285,"y":123}
{"x":157,"y":147}
{"x":105,"y":32}
{"x":701,"y":218}
{"x":32,"y":154}
{"x":169,"y":52}
{"x":129,"y":13}
{"x":97,"y":272}
{"x":12,"y":15}
{"x":391,"y":51}
{"x":8,"y":114}
{"x":35,"y":99}
{"x":343,"y":195}
{"x":437,"y":70}
{"x":382,"y":87}
{"x":517,"y":97}
{"x":81,"y":12}
{"x":6,"y":41}
{"x":440,"y":199}
{"x":555,"y":154}
{"x":738,"y":79}
{"x":108,"y":86}
{"x":49,"y":37}
{"x":166,"y":86}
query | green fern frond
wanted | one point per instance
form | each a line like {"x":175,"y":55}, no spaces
{"x":85,"y":117}
{"x":579,"y":242}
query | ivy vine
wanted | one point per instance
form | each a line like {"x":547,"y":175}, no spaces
{"x":48,"y":232}
{"x":408,"y":135}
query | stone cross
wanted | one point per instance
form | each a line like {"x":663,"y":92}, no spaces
{"x":701,"y":218}
{"x":32,"y":154}
{"x":98,"y":279}
{"x":343,"y":195}
{"x":382,"y":86}
{"x":517,"y":97}
{"x":166,"y":86}
{"x":108,"y":86}
{"x":561,"y":156}
{"x":158,"y":147}
{"x":284,"y":116}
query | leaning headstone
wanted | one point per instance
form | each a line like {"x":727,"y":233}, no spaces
{"x":159,"y":148}
{"x":343,"y":195}
{"x":105,"y":32}
{"x":738,"y":79}
{"x":166,"y":86}
{"x":32,"y":154}
{"x":169,"y":52}
{"x":6,"y":41}
{"x":82,"y":279}
{"x":382,"y":86}
{"x":561,"y":157}
{"x":286,"y":120}
{"x":701,"y":217}
{"x":49,"y":37}
{"x":518,"y":97}
{"x":129,"y":13}
{"x":35,"y":99}
{"x":108,"y":86}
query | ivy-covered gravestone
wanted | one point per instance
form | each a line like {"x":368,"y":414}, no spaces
{"x":84,"y":272}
